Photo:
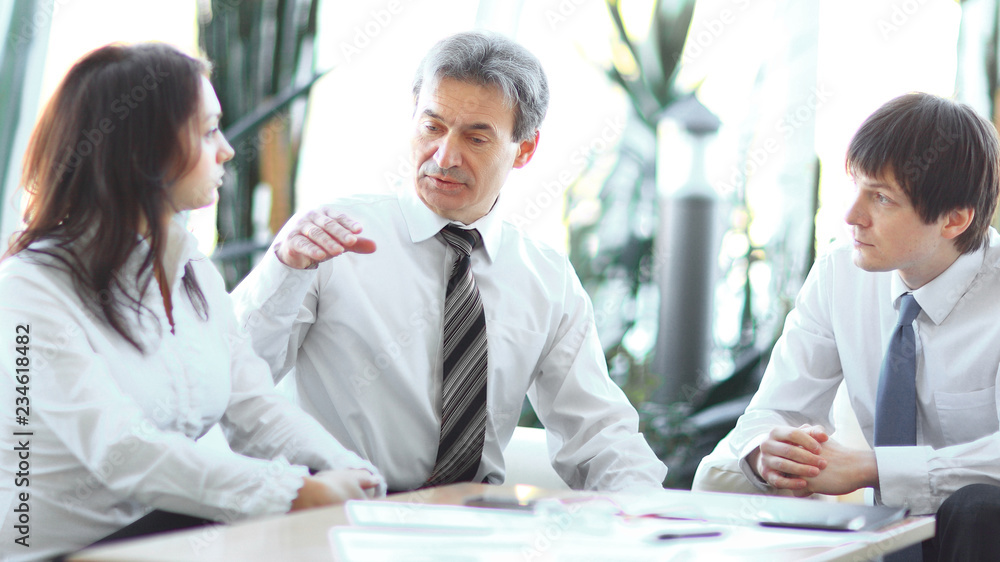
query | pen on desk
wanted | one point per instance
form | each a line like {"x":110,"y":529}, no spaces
{"x":691,"y":535}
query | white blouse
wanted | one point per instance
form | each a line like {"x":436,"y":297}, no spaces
{"x":96,"y":434}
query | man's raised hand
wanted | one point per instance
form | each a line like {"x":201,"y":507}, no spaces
{"x":318,"y":235}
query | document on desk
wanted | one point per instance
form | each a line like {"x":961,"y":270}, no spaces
{"x":764,"y":510}
{"x":578,"y":531}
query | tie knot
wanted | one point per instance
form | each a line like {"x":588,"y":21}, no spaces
{"x":462,"y":239}
{"x":908,"y":310}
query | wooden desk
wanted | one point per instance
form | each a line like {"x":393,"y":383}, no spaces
{"x":303,"y":535}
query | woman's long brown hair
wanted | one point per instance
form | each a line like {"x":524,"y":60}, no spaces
{"x":115,"y":134}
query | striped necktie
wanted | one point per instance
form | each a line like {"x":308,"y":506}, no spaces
{"x":463,"y":400}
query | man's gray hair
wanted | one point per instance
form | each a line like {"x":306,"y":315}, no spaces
{"x":490,"y":59}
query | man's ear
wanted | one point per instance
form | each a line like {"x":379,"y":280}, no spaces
{"x":957,"y":221}
{"x":525,"y":150}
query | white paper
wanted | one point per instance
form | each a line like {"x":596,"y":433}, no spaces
{"x":384,"y":531}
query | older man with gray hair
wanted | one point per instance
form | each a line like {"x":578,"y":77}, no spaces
{"x":418,"y":356}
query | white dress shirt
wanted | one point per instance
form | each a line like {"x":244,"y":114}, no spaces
{"x":362,"y":335}
{"x":112,"y":431}
{"x":839,"y":330}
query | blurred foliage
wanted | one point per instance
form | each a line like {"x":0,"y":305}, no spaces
{"x":647,"y":69}
{"x":612,"y":249}
{"x":611,"y":244}
{"x":262,"y":52}
{"x":612,"y":234}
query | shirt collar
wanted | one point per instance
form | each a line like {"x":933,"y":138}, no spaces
{"x":938,"y":298}
{"x":423,"y":223}
{"x":181,"y":247}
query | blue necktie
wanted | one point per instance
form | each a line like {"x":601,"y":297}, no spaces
{"x":896,"y":400}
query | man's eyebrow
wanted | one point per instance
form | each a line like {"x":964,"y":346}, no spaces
{"x":479,"y":126}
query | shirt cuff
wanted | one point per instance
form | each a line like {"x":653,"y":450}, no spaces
{"x":349,"y":460}
{"x":904,"y":480}
{"x":277,"y":495}
{"x":281,"y":286}
{"x":748,"y":471}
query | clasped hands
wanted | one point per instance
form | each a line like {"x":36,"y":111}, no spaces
{"x":806,"y":461}
{"x":318,"y":235}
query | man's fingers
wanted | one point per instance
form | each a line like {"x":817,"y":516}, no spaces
{"x":320,"y":243}
{"x":817,"y":432}
{"x":785,"y":458}
{"x":796,"y":436}
{"x":783,"y":481}
{"x":804,"y":440}
{"x":320,"y":235}
{"x":363,"y":246}
{"x":793,"y":467}
{"x":340,"y":227}
{"x":328,"y":217}
{"x":338,"y":234}
{"x":781,"y":448}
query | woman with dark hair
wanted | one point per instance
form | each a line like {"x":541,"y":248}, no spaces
{"x":121,"y":347}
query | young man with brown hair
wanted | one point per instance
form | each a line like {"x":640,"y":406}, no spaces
{"x":907,"y":316}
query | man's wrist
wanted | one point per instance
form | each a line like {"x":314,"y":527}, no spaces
{"x":868,"y":466}
{"x":748,"y":465}
{"x":752,"y":459}
{"x":313,"y":264}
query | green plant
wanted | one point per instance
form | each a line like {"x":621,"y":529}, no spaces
{"x":612,"y":251}
{"x":263,"y":61}
{"x":648,"y":69}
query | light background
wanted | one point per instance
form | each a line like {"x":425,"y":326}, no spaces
{"x":359,"y":115}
